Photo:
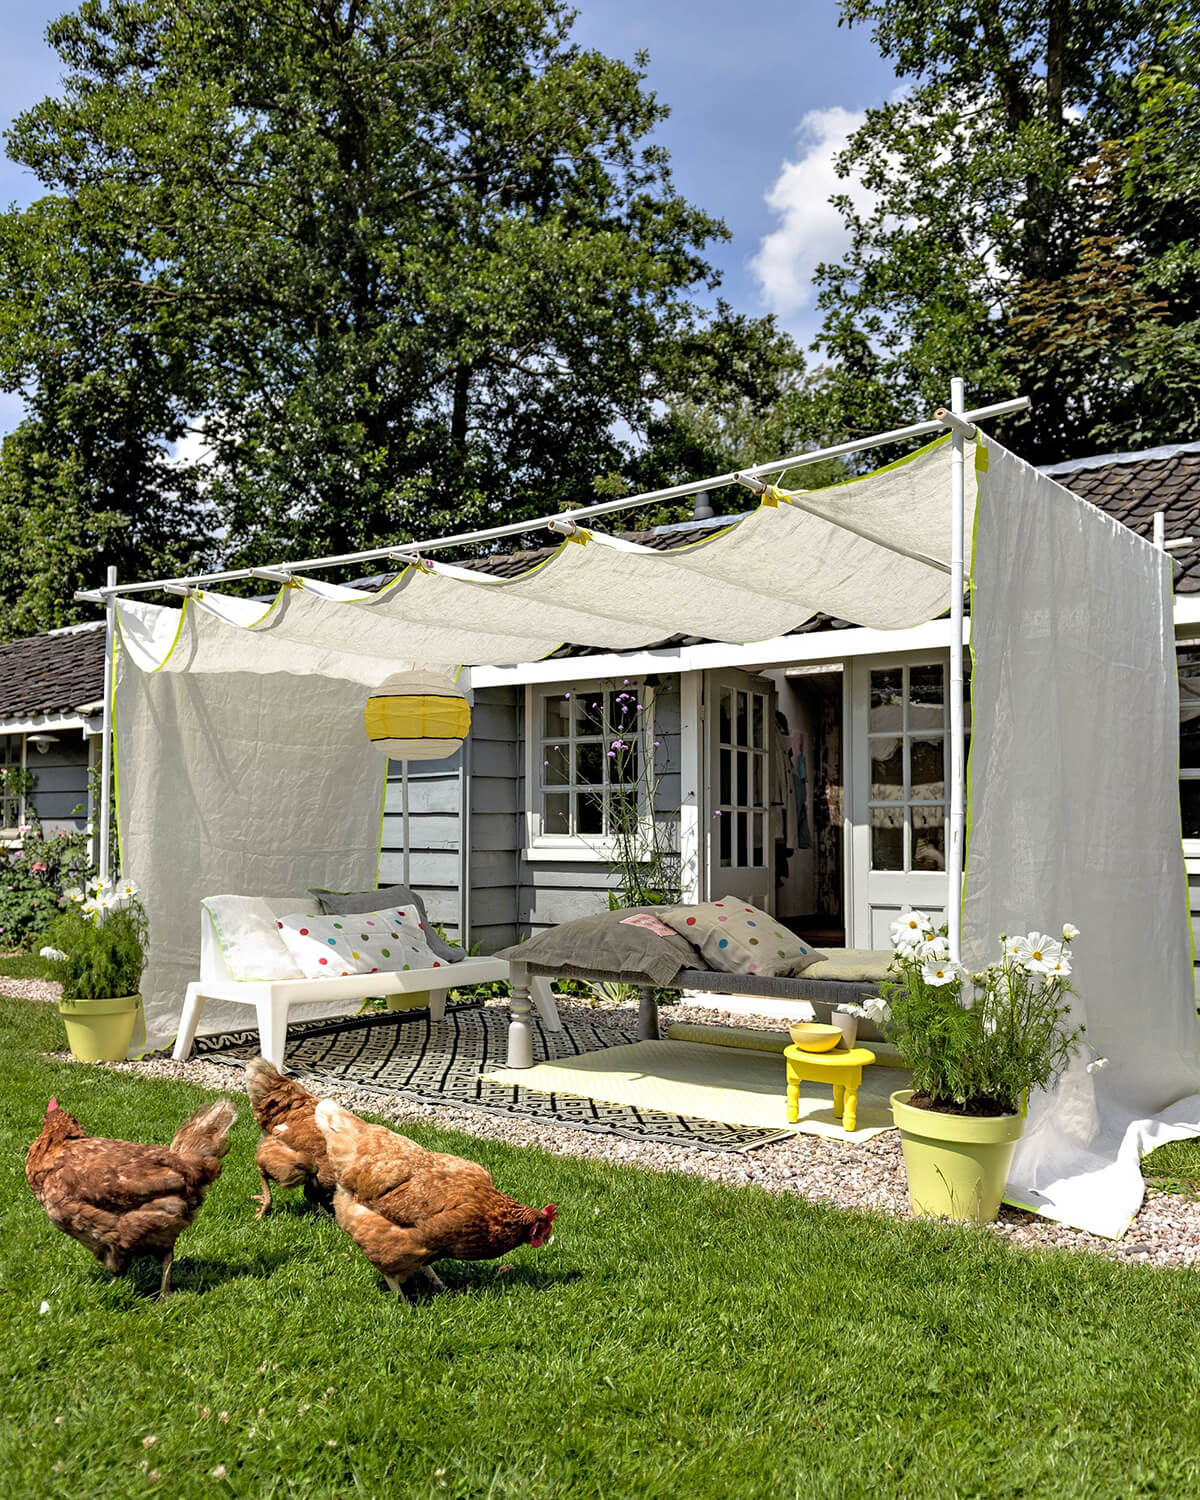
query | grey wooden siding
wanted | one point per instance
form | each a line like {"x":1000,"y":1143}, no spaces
{"x":553,"y":891}
{"x":60,"y":796}
{"x":434,"y":791}
{"x":1194,"y":903}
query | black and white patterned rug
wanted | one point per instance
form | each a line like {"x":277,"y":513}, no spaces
{"x":440,"y":1062}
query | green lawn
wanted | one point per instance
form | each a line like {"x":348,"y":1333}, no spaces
{"x":677,"y":1339}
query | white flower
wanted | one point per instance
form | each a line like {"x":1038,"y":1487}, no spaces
{"x":89,"y":907}
{"x":940,"y":972}
{"x":910,"y":927}
{"x":95,"y":884}
{"x":75,"y":894}
{"x":1097,"y":1064}
{"x":934,"y":949}
{"x":1069,"y":933}
{"x":874,"y":1008}
{"x":127,"y":889}
{"x":1060,"y":969}
{"x":1038,"y":953}
{"x":55,"y":954}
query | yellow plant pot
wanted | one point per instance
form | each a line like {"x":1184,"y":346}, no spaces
{"x":956,"y":1165}
{"x":100,"y":1030}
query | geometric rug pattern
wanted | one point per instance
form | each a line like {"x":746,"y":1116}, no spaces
{"x":440,"y":1062}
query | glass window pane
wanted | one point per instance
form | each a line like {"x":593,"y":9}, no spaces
{"x":743,"y":840}
{"x":1189,"y":710}
{"x":743,"y":777}
{"x":725,"y":780}
{"x":757,"y":764}
{"x":624,"y":812}
{"x":758,"y":710}
{"x":589,"y":710}
{"x":925,"y":684}
{"x":556,"y":765}
{"x":557,"y":816}
{"x":758,"y":853}
{"x":1189,"y":803}
{"x":929,"y":838}
{"x":589,"y":812}
{"x":725,"y":836}
{"x":742,"y":728}
{"x":887,"y":770}
{"x":927,"y":769}
{"x":556,"y":717}
{"x":887,"y":838}
{"x":589,"y":763}
{"x":887,"y":705}
{"x":725,"y":725}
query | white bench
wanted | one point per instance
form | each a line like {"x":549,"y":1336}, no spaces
{"x":272,"y":999}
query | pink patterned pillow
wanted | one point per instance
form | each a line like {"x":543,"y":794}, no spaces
{"x":369,"y":942}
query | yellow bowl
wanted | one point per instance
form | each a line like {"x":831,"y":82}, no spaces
{"x":811,"y":1036}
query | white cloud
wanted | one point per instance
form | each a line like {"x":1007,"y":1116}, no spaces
{"x":810,"y":229}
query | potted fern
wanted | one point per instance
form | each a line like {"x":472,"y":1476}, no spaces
{"x":96,"y":950}
{"x":976,"y":1044}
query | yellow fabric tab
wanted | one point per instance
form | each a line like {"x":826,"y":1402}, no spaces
{"x":981,"y":456}
{"x":770,"y":496}
{"x":403,"y":717}
{"x":580,"y":536}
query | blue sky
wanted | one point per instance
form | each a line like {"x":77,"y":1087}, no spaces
{"x":761,"y":92}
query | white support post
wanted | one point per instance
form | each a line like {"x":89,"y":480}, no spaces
{"x":691,"y":789}
{"x":106,"y":731}
{"x":404,"y":812}
{"x":1160,"y":530}
{"x":954,"y":855}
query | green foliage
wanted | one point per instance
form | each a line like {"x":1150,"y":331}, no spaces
{"x":983,"y":1041}
{"x":399,"y":266}
{"x":1033,"y":224}
{"x":104,"y":952}
{"x":33,"y":876}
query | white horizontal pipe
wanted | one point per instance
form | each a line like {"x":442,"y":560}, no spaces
{"x":518,"y":528}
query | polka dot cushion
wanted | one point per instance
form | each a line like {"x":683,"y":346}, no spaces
{"x":368,"y":942}
{"x":736,"y":938}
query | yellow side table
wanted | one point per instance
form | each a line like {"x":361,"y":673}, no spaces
{"x":841,"y":1068}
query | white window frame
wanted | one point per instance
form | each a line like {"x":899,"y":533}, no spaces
{"x":10,"y":829}
{"x":1191,"y":847}
{"x":540,"y":845}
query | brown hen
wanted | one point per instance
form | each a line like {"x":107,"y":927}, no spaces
{"x":123,"y":1199}
{"x":292,"y":1150}
{"x":404,"y":1206}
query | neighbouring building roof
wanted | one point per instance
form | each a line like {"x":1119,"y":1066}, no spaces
{"x":63,"y":671}
{"x":56,"y":673}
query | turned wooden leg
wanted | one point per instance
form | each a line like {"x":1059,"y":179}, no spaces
{"x":520,"y":1032}
{"x":839,"y":1099}
{"x":850,"y":1113}
{"x":793,"y":1104}
{"x":647,"y":1027}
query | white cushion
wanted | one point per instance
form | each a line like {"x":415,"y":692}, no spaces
{"x":369,"y":942}
{"x":247,"y":931}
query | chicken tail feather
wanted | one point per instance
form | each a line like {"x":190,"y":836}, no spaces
{"x":207,"y":1132}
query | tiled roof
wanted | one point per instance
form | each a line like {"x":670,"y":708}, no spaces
{"x":52,"y":674}
{"x":1132,"y":488}
{"x":63,"y":671}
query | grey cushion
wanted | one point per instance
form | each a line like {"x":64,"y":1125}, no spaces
{"x":608,"y":944}
{"x":336,"y":902}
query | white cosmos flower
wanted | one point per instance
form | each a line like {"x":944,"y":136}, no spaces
{"x":1069,"y":933}
{"x":912,"y":927}
{"x":94,"y":884}
{"x":934,"y":950}
{"x":874,"y":1008}
{"x":76,"y":895}
{"x":127,"y":889}
{"x":1038,"y":953}
{"x":1060,"y":969}
{"x":55,"y":954}
{"x":940,"y":972}
{"x":1097,"y":1064}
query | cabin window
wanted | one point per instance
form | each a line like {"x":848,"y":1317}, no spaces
{"x":591,"y":750}
{"x":12,"y":779}
{"x":1189,"y":746}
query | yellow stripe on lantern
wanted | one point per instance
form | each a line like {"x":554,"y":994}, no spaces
{"x":418,"y":717}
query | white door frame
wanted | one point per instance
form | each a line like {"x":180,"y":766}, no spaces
{"x":754,"y":883}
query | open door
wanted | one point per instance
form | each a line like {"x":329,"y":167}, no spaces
{"x":740,"y":724}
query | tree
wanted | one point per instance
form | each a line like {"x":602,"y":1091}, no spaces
{"x":1016,"y":236}
{"x":404,"y":265}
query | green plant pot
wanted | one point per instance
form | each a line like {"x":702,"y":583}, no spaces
{"x":956,"y":1165}
{"x":100,"y":1030}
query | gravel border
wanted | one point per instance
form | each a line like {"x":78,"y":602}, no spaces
{"x":866,"y":1176}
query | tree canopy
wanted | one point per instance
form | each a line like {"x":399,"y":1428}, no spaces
{"x":1032,"y":224}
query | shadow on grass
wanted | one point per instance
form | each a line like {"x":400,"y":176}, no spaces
{"x":193,"y":1273}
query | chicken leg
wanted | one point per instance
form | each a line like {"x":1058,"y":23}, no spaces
{"x":165,"y":1288}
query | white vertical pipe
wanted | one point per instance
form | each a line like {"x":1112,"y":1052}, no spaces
{"x":1160,"y":530}
{"x":106,"y":730}
{"x":404,"y":811}
{"x":954,"y":855}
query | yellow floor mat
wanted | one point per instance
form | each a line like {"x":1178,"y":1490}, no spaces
{"x":705,"y":1082}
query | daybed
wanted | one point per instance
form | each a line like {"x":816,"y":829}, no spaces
{"x":272,"y":998}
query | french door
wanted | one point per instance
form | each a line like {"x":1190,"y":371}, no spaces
{"x":740,"y":738}
{"x":899,"y":779}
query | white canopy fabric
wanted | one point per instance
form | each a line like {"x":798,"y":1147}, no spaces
{"x":243,"y":765}
{"x":1073,"y":816}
